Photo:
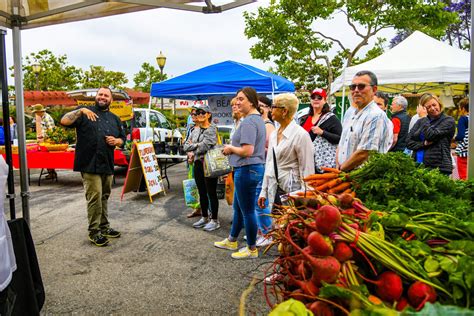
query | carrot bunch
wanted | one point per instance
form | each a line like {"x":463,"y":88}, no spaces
{"x":332,"y":181}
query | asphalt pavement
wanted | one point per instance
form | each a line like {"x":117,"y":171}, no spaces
{"x":159,"y":266}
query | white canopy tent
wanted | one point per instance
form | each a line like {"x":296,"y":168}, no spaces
{"x":26,"y":14}
{"x":420,"y":64}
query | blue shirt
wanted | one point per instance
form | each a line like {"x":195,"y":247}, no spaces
{"x":251,"y":131}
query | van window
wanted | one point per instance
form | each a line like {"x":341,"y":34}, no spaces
{"x":139,"y":119}
{"x":164,"y":121}
{"x":154,"y":120}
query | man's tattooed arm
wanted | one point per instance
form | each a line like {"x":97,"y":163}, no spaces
{"x":71,"y":117}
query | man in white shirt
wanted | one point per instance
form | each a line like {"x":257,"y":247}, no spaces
{"x":366,"y":128}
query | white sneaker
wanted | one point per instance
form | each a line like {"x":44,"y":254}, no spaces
{"x":201,"y":223}
{"x":263,"y":241}
{"x":274,"y":278}
{"x":212,"y":225}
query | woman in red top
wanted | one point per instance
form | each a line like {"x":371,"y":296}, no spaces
{"x":324,"y":128}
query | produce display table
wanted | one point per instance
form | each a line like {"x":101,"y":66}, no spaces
{"x":57,"y":160}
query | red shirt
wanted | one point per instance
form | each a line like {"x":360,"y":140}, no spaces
{"x":308,"y":124}
{"x":397,"y":124}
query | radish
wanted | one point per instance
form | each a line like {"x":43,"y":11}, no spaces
{"x":320,"y":244}
{"x":389,"y":286}
{"x":320,"y":309}
{"x":342,"y":252}
{"x":328,"y":219}
{"x":419,"y":293}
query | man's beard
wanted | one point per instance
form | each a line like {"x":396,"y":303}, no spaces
{"x":102,"y":106}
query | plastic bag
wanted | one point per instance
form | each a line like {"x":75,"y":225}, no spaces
{"x":191,"y":193}
{"x":229,"y":189}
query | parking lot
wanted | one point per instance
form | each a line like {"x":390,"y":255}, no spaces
{"x":160,"y":265}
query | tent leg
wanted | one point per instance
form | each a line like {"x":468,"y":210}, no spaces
{"x":6,"y":120}
{"x":20,"y":117}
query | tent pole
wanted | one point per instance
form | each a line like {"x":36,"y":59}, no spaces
{"x":6,"y":122}
{"x":20,"y":117}
{"x":470,"y":156}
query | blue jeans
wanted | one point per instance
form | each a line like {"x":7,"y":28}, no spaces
{"x":246,"y":180}
{"x":264,"y":221}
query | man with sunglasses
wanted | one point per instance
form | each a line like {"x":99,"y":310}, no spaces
{"x":366,"y":128}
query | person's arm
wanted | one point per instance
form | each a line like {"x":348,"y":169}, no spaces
{"x":209,"y":140}
{"x":333,"y":131}
{"x":355,"y":160}
{"x":71,"y":117}
{"x":244,"y":151}
{"x":445,"y":128}
{"x":263,"y":196}
{"x":413,"y":139}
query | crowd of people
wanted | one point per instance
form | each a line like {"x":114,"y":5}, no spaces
{"x":271,"y":150}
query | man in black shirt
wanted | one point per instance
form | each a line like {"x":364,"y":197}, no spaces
{"x":98,"y":131}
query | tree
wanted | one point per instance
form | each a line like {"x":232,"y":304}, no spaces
{"x":287,"y":33}
{"x":55,"y":72}
{"x":97,"y":76}
{"x":146,"y":76}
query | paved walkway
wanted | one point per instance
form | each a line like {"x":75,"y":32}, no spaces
{"x":160,"y":265}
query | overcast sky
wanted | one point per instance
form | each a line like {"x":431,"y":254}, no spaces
{"x":189,"y":40}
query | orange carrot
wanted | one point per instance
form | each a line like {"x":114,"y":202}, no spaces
{"x":316,"y":183}
{"x":331,"y":170}
{"x":334,"y":183}
{"x":319,"y":176}
{"x":347,"y":191}
{"x":340,"y":187}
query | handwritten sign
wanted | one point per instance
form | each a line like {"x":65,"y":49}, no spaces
{"x":143,"y":164}
{"x":221,"y":110}
{"x":122,"y":109}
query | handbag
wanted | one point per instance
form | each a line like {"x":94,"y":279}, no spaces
{"x":216,"y":164}
{"x":191,"y":193}
{"x":229,"y":188}
{"x":279,"y":191}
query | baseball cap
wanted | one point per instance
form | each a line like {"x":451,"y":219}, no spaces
{"x":203,"y":107}
{"x":320,"y":92}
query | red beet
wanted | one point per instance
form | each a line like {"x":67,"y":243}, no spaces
{"x":402,"y":304}
{"x":328,"y":219}
{"x":389,"y":286}
{"x":320,"y":245}
{"x":321,"y":309}
{"x":345,"y":200}
{"x":342,"y":252}
{"x":419,"y":293}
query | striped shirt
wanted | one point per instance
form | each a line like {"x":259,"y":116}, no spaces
{"x":366,"y":129}
{"x":462,"y":147}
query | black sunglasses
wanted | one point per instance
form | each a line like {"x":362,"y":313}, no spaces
{"x":359,"y":86}
{"x":316,"y":97}
{"x":198,"y":112}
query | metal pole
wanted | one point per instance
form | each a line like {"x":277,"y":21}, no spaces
{"x":161,"y":70}
{"x":20,"y":119}
{"x":6,"y":123}
{"x":470,"y":155}
{"x":37,"y":81}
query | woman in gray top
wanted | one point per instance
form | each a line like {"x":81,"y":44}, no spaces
{"x":203,"y":138}
{"x":247,"y":156}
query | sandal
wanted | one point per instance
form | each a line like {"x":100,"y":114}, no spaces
{"x":194,"y":213}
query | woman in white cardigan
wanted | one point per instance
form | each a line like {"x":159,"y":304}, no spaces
{"x":293,"y":150}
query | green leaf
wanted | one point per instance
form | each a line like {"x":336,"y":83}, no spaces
{"x":290,"y":307}
{"x":431,"y":264}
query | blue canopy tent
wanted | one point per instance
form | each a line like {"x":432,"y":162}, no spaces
{"x":224,"y":78}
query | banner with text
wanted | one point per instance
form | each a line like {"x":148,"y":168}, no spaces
{"x":221,"y":110}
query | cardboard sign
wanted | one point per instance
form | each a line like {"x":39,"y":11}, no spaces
{"x":143,"y":163}
{"x":221,"y":110}
{"x":122,"y":109}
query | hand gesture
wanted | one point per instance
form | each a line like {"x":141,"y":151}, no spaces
{"x":317,"y":130}
{"x":89,"y":114}
{"x":421,"y":111}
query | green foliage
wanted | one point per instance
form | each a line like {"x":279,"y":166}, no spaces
{"x":290,"y":307}
{"x":55,"y":74}
{"x":60,"y":135}
{"x":97,"y":76}
{"x":287,"y":33}
{"x":146,"y":76}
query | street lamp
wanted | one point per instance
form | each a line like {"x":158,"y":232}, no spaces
{"x":36,"y":68}
{"x":161,"y":61}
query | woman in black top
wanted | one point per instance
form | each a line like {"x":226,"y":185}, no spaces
{"x":324,"y":128}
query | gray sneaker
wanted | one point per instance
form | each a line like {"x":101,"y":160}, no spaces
{"x":201,"y":223}
{"x":212,"y":225}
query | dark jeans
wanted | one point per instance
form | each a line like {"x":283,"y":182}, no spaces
{"x":207,"y":188}
{"x":246,"y":180}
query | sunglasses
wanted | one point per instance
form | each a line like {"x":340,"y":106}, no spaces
{"x":359,"y":86}
{"x":316,"y":97}
{"x":277,"y":107}
{"x":198,"y":112}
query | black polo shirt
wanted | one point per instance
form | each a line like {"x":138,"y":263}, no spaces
{"x":93,"y":155}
